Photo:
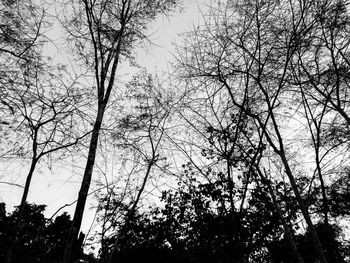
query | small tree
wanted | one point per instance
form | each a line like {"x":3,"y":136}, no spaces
{"x":140,"y":133}
{"x":44,"y":120}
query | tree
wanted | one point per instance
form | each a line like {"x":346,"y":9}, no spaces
{"x":318,"y":75}
{"x":44,"y":118}
{"x":103,"y":32}
{"x":140,"y":133}
{"x":251,"y":52}
{"x":39,"y":110}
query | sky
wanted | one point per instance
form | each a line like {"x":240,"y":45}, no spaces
{"x":165,"y":31}
{"x":60,"y":185}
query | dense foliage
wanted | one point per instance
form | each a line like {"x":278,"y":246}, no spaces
{"x":37,"y":238}
{"x":193,"y":226}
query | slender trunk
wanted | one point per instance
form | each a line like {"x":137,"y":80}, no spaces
{"x":316,"y":139}
{"x":84,"y":189}
{"x":133,"y":208}
{"x":304,"y":210}
{"x":235,"y":220}
{"x":27,"y":185}
{"x":13,"y":239}
{"x":323,"y":189}
{"x":289,"y":237}
{"x":288,"y":233}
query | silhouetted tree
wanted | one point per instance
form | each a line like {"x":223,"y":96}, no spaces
{"x":44,"y":120}
{"x":273,"y":60}
{"x":103,"y":32}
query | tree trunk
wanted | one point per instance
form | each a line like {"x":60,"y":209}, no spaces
{"x":288,"y":234}
{"x":84,"y":189}
{"x":13,"y":239}
{"x":304,"y":210}
{"x":133,"y":208}
{"x":27,"y":185}
{"x":323,"y":189}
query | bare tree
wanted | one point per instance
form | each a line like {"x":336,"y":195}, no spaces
{"x":44,"y":120}
{"x":103,"y":32}
{"x":320,"y":75}
{"x":133,"y":152}
{"x":259,"y":52}
{"x":139,"y":136}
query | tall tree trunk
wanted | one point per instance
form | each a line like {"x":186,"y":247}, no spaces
{"x":13,"y":239}
{"x":133,"y":208}
{"x":323,"y":189}
{"x":304,"y":210}
{"x":288,"y":233}
{"x":27,"y":185}
{"x":84,"y":189}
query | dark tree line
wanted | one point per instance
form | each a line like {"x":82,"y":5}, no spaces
{"x":38,"y":239}
{"x":195,"y":226}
